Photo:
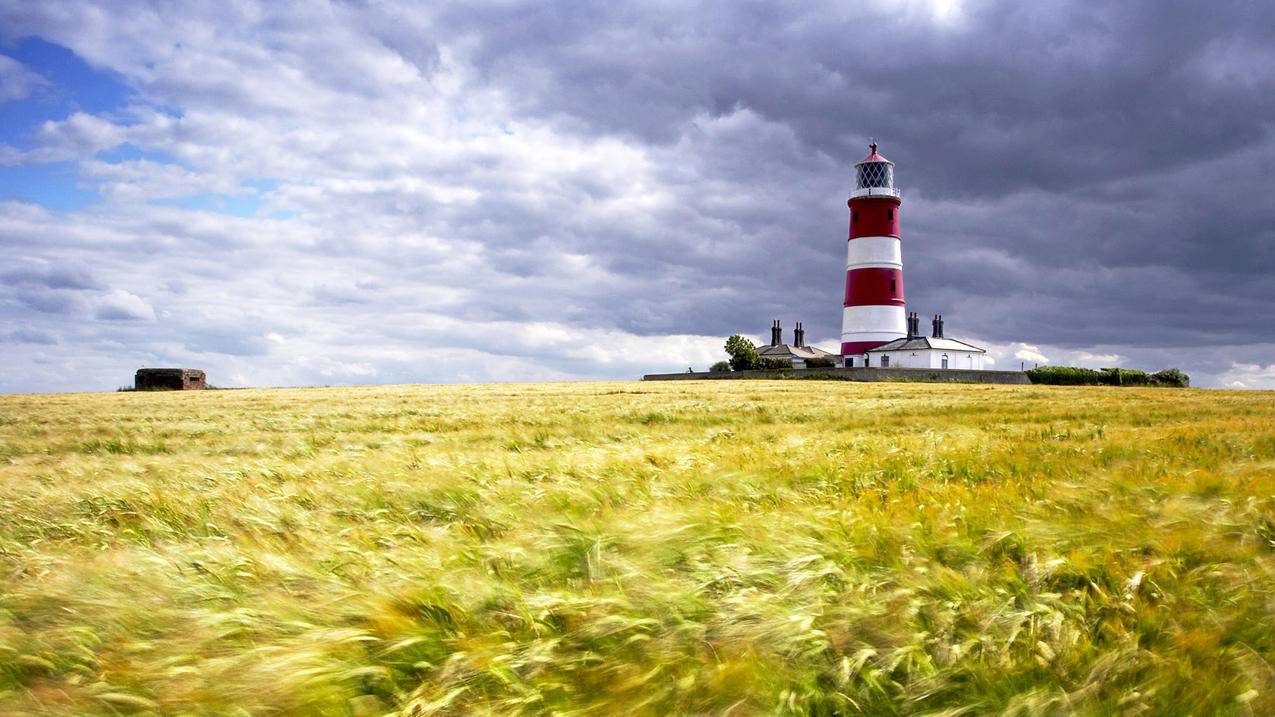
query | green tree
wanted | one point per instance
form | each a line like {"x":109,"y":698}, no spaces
{"x":720,"y":367}
{"x":1170,"y":377}
{"x":742,"y":352}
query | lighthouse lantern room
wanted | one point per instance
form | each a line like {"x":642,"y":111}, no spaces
{"x":874,"y":311}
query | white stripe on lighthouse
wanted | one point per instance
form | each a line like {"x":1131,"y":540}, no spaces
{"x":873,"y":323}
{"x":869,"y":252}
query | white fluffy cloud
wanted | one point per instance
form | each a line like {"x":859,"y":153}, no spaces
{"x":120,"y":305}
{"x":1248,"y":375}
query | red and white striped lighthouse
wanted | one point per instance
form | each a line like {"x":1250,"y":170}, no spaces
{"x":873,"y":312}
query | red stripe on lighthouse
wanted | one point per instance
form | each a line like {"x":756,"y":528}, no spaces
{"x":874,"y":217}
{"x":852,"y":348}
{"x":875,"y":287}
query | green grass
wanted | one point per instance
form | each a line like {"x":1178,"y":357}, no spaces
{"x":741,"y":548}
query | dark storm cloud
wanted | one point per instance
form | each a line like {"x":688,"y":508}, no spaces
{"x":1118,"y":157}
{"x":1007,"y":96}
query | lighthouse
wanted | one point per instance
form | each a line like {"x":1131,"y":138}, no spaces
{"x":873,"y":313}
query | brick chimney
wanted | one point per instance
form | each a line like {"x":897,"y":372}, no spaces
{"x":776,"y":334}
{"x":799,"y":335}
{"x":938,"y":326}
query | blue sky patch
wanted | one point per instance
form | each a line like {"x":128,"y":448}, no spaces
{"x":55,"y":185}
{"x":73,"y":86}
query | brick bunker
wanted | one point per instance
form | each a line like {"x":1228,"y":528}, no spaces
{"x":169,"y":379}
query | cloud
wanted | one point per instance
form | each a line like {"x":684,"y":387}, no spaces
{"x":28,"y":336}
{"x":120,"y":305}
{"x":1090,"y":360}
{"x":18,"y":82}
{"x":51,"y":276}
{"x":52,"y":301}
{"x":1248,"y":375}
{"x":542,"y":190}
{"x":78,"y":137}
{"x":1027,"y":352}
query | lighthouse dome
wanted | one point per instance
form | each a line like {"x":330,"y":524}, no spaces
{"x":874,"y":176}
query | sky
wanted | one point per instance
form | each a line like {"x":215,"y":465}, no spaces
{"x":337,"y":193}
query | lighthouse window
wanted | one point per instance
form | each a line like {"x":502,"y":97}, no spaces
{"x":874,"y":174}
{"x":890,"y":215}
{"x":854,"y":216}
{"x":893,"y":286}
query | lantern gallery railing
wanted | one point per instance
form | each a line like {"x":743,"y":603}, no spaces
{"x":874,"y":192}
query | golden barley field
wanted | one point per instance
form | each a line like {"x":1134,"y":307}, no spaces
{"x":698,"y":548}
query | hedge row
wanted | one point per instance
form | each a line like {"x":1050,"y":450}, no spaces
{"x":1072,"y":376}
{"x":765,"y":363}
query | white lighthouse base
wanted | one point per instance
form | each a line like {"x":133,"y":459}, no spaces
{"x":873,"y":323}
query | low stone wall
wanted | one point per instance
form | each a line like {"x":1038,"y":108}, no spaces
{"x":861,"y":373}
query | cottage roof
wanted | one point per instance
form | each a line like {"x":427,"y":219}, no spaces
{"x":790,"y":352}
{"x":927,"y":342}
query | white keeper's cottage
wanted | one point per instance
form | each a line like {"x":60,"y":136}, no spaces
{"x":917,"y":351}
{"x":797,"y":352}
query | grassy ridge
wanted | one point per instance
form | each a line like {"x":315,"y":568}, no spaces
{"x":740,"y":548}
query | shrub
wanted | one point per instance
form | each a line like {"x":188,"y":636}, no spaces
{"x":1073,"y":376}
{"x":1063,"y":376}
{"x":820,"y":362}
{"x":743,"y":355}
{"x":1170,"y":377}
{"x":1125,"y":377}
{"x":773,"y":364}
{"x":720,"y":367}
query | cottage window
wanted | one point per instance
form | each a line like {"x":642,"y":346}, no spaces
{"x":885,"y":361}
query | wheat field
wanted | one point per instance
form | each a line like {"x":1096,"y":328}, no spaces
{"x":705,"y":548}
